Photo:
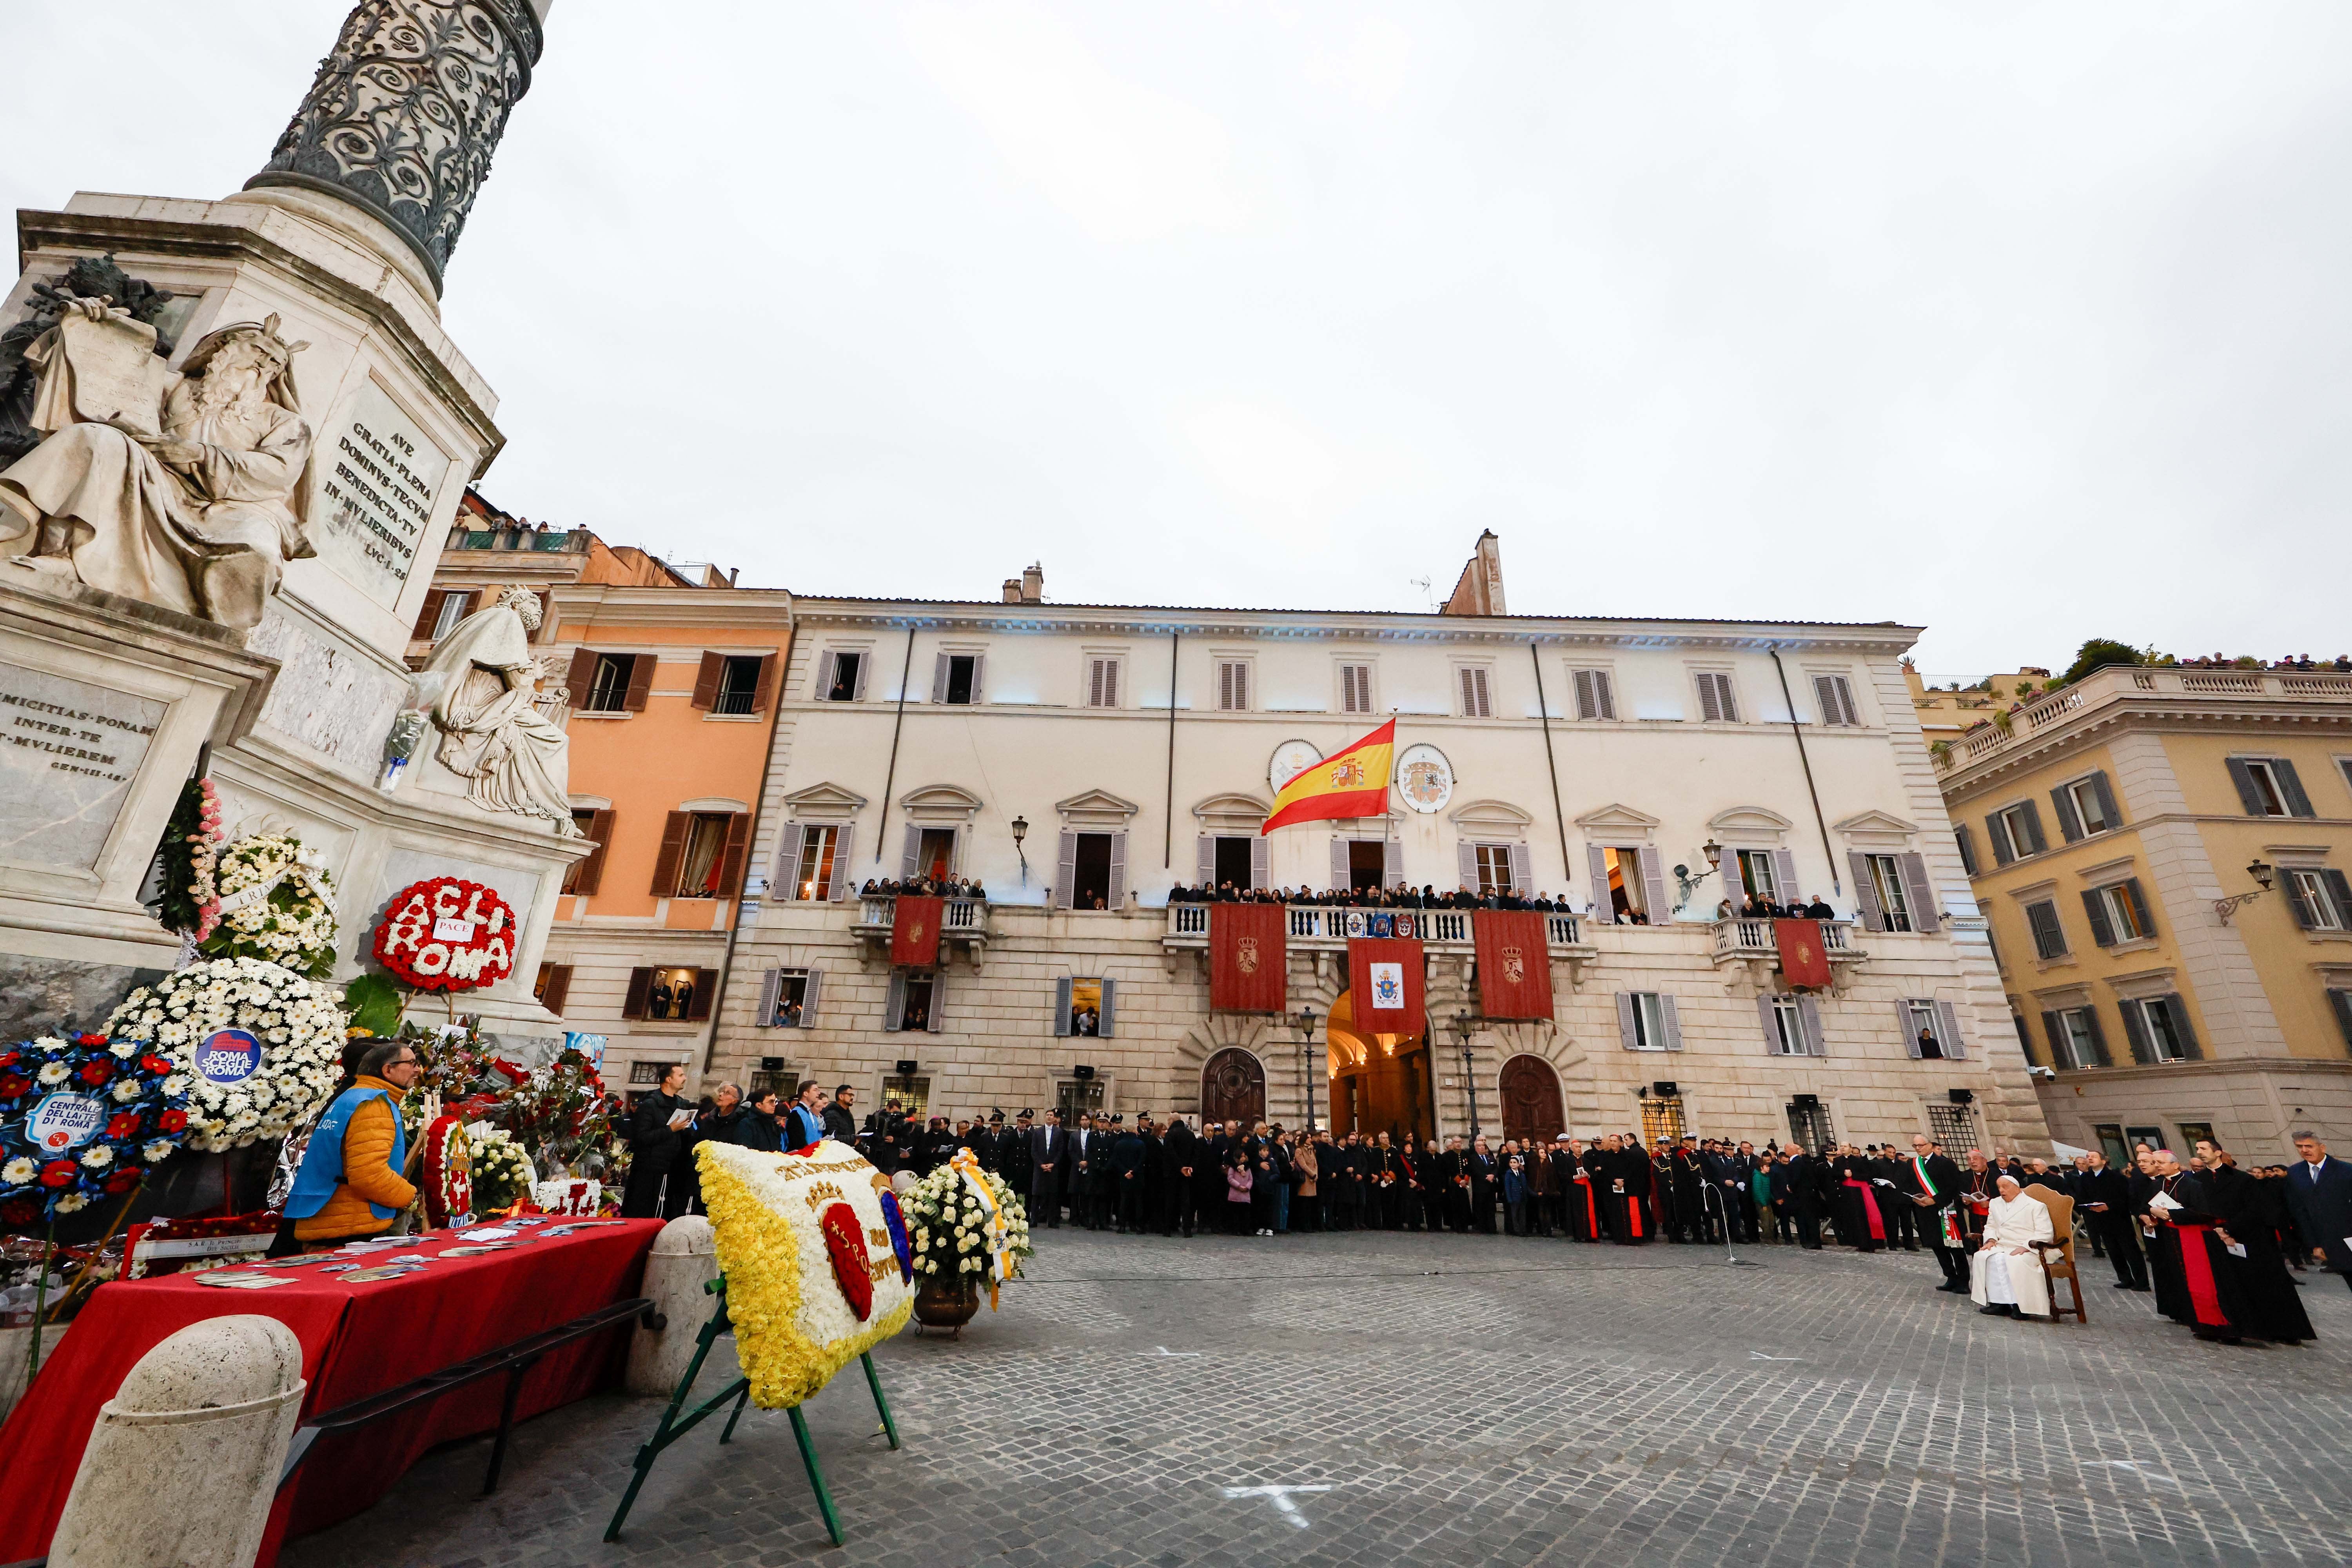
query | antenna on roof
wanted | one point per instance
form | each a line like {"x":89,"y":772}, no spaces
{"x":1423,"y":584}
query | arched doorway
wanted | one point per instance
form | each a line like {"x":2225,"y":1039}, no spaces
{"x":1379,"y":1083}
{"x":1232,"y":1087}
{"x":1531,"y":1102}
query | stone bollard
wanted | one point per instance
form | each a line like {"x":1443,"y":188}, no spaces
{"x":683,"y":1259}
{"x":182,"y":1465}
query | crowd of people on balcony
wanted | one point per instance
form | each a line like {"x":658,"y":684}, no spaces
{"x":1403,"y":895}
{"x":1765,"y":908}
{"x":955,"y":888}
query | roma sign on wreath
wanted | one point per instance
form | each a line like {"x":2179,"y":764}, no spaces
{"x":447,"y":934}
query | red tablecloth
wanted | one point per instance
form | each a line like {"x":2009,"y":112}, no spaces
{"x":357,"y":1340}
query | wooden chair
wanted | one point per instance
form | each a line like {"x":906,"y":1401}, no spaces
{"x":2058,"y":1257}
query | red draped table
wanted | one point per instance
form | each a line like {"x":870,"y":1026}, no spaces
{"x":358,"y":1340}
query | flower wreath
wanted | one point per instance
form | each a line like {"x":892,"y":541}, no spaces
{"x":449,"y":1173}
{"x":277,"y":903}
{"x":254,"y":1047}
{"x":502,"y":1173}
{"x":191,"y":854}
{"x":80,"y":1119}
{"x":446,"y":933}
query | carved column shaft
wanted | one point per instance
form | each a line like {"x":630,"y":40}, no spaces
{"x":403,"y":115}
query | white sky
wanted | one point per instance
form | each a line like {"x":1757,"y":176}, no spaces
{"x":2022,"y":323}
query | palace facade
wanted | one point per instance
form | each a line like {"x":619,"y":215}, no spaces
{"x":1079,"y":762}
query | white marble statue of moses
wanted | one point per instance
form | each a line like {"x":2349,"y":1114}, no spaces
{"x":175,"y":491}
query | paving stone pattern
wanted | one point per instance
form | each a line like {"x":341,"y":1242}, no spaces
{"x":1463,"y":1400}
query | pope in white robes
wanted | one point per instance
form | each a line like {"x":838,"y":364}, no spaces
{"x":2005,"y":1275}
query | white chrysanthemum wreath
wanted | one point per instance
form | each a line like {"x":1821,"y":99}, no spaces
{"x":256,"y":1047}
{"x":276,"y":903}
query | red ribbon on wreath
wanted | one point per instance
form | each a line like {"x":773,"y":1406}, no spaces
{"x":448,"y":1184}
{"x":446,"y":933}
{"x":845,"y":1244}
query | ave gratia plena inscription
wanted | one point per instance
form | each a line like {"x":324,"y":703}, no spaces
{"x":363,"y":500}
{"x":68,"y":756}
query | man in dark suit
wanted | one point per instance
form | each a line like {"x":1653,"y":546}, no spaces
{"x":1130,"y":1163}
{"x":2319,"y":1196}
{"x":1012,"y":1155}
{"x":1931,"y":1183}
{"x":1429,"y":1196}
{"x":1180,"y":1153}
{"x":1796,"y":1192}
{"x":1485,"y":1181}
{"x":2102,"y":1202}
{"x":1088,"y":1148}
{"x":1049,"y":1160}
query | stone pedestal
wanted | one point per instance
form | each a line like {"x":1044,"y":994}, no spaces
{"x":104,"y":706}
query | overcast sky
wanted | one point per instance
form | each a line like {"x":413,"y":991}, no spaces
{"x":2021,"y":323}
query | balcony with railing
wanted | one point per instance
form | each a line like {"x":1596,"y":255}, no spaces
{"x":962,"y":922}
{"x":1741,"y":939}
{"x":1330,"y":926}
{"x":2124,"y":683}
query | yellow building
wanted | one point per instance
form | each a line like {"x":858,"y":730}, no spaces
{"x":2161,"y":855}
{"x":1945,"y":713}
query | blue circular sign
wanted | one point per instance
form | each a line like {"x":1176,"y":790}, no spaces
{"x":227,"y":1058}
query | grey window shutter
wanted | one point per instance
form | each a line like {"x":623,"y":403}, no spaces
{"x":1465,"y":861}
{"x":809,"y":998}
{"x":1865,"y":891}
{"x":2338,"y":888}
{"x":2139,"y":907}
{"x":1765,"y":1015}
{"x":2098,"y":1037}
{"x":2297,"y":803}
{"x":1523,"y":871}
{"x":1625,"y":1031}
{"x":2069,"y":821}
{"x":1258,"y":857}
{"x":1961,"y":836}
{"x":2033,"y":827}
{"x":1597,"y":858}
{"x":1109,"y":1007}
{"x":1653,"y":884}
{"x":2183,"y":1027}
{"x":788,"y":855}
{"x":2053,"y":1029}
{"x":2342,"y":1001}
{"x":1816,"y":1043}
{"x":2295,"y":905}
{"x":939,"y":1002}
{"x":1947,"y":1033}
{"x":2048,"y":936}
{"x":1065,"y":873}
{"x":1926,"y":913}
{"x":865,"y":663}
{"x":844,"y":876}
{"x":2248,"y":795}
{"x":894,"y":1001}
{"x":2103,"y":932}
{"x":1910,"y":1031}
{"x":914,"y":848}
{"x":1062,"y":1006}
{"x":1673,"y":1024}
{"x":2135,"y":1031}
{"x":1709,"y":708}
{"x":1604,"y":688}
{"x":1204,"y":858}
{"x":824,"y":678}
{"x":1997,"y":832}
{"x":2107,"y":799}
{"x":1784,"y":872}
{"x":1117,"y":898}
{"x":1588,"y":704}
{"x":939,"y":679}
{"x":1338,"y":864}
{"x":770,"y":983}
{"x":978,"y":669}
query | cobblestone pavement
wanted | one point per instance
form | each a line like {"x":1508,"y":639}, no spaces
{"x":1462,"y":1400}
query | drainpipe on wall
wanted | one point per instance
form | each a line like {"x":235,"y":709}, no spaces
{"x":890,"y":777}
{"x":1795,"y":729}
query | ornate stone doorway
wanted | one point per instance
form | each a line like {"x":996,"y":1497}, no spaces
{"x":1232,"y":1087}
{"x":1532,"y":1108}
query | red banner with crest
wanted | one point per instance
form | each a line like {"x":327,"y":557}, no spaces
{"x":1385,"y":976}
{"x":1514,"y":964}
{"x":1248,"y":967}
{"x":1804,"y":959}
{"x":915,"y":931}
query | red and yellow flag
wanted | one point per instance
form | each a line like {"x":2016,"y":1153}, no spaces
{"x":1352,"y":782}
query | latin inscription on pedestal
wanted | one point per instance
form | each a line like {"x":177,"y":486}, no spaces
{"x":373,"y":477}
{"x":69,"y":751}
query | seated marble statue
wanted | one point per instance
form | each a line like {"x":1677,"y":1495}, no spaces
{"x":2005,"y":1275}
{"x":480,"y":687}
{"x":173,"y":489}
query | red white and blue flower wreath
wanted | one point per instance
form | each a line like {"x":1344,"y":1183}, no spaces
{"x":82,"y":1119}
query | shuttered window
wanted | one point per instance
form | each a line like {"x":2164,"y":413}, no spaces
{"x":1716,"y":702}
{"x":1475,"y":699}
{"x":2319,"y":899}
{"x":2048,"y":936}
{"x":1102,"y":682}
{"x":1355,"y":688}
{"x":1233,"y":686}
{"x":1834,"y":698}
{"x":1596,"y":697}
{"x":2269,"y":786}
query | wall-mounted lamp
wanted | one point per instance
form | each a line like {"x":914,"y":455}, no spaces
{"x":1020,"y":832}
{"x":2262,"y":872}
{"x":1686,"y":881}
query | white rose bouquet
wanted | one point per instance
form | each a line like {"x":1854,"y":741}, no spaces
{"x":966,"y":1221}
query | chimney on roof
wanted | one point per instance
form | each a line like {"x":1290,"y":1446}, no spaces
{"x":1479,"y":590}
{"x":1013,"y":590}
{"x":1032,"y":584}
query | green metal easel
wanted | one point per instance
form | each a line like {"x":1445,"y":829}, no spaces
{"x":672,"y":1426}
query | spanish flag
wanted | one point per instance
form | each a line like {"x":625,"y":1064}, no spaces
{"x":1353,"y":782}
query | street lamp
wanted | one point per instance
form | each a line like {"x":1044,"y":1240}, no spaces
{"x":2259,"y":871}
{"x":1020,"y":832}
{"x":1463,"y":1026}
{"x":1682,"y":877}
{"x":1304,"y":1022}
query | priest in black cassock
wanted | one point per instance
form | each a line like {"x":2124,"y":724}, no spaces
{"x":1631,"y":1222}
{"x":2195,"y":1285}
{"x":2251,"y":1214}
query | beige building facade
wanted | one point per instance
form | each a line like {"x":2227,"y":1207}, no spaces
{"x":2162,"y":855}
{"x":1081,"y":761}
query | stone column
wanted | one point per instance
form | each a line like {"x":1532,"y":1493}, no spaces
{"x":404,"y":113}
{"x":182,"y":1465}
